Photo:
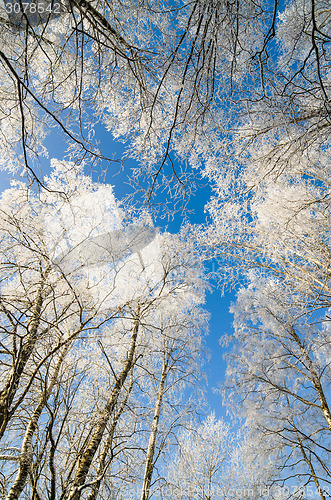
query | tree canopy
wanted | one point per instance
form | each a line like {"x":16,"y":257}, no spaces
{"x":102,"y":313}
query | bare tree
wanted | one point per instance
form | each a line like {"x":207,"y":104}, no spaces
{"x":176,"y":368}
{"x":280,"y":373}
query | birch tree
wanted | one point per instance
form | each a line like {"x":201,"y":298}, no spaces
{"x":215,"y":461}
{"x":204,"y":454}
{"x":280,"y":373}
{"x":277,"y":245}
{"x":175,"y":381}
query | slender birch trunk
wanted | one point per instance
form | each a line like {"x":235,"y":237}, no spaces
{"x":105,"y":452}
{"x":26,"y":457}
{"x":310,"y":465}
{"x":8,"y":392}
{"x":154,"y":428}
{"x":94,"y":443}
{"x":315,"y":379}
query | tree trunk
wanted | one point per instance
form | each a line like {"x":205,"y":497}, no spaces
{"x":8,"y":393}
{"x":310,"y":465}
{"x":152,"y":438}
{"x":26,"y":456}
{"x":101,"y":469}
{"x":315,"y":379}
{"x":86,"y":460}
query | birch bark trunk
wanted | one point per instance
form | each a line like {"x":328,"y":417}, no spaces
{"x":8,"y":392}
{"x":26,"y":457}
{"x":154,"y":428}
{"x":94,"y":443}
